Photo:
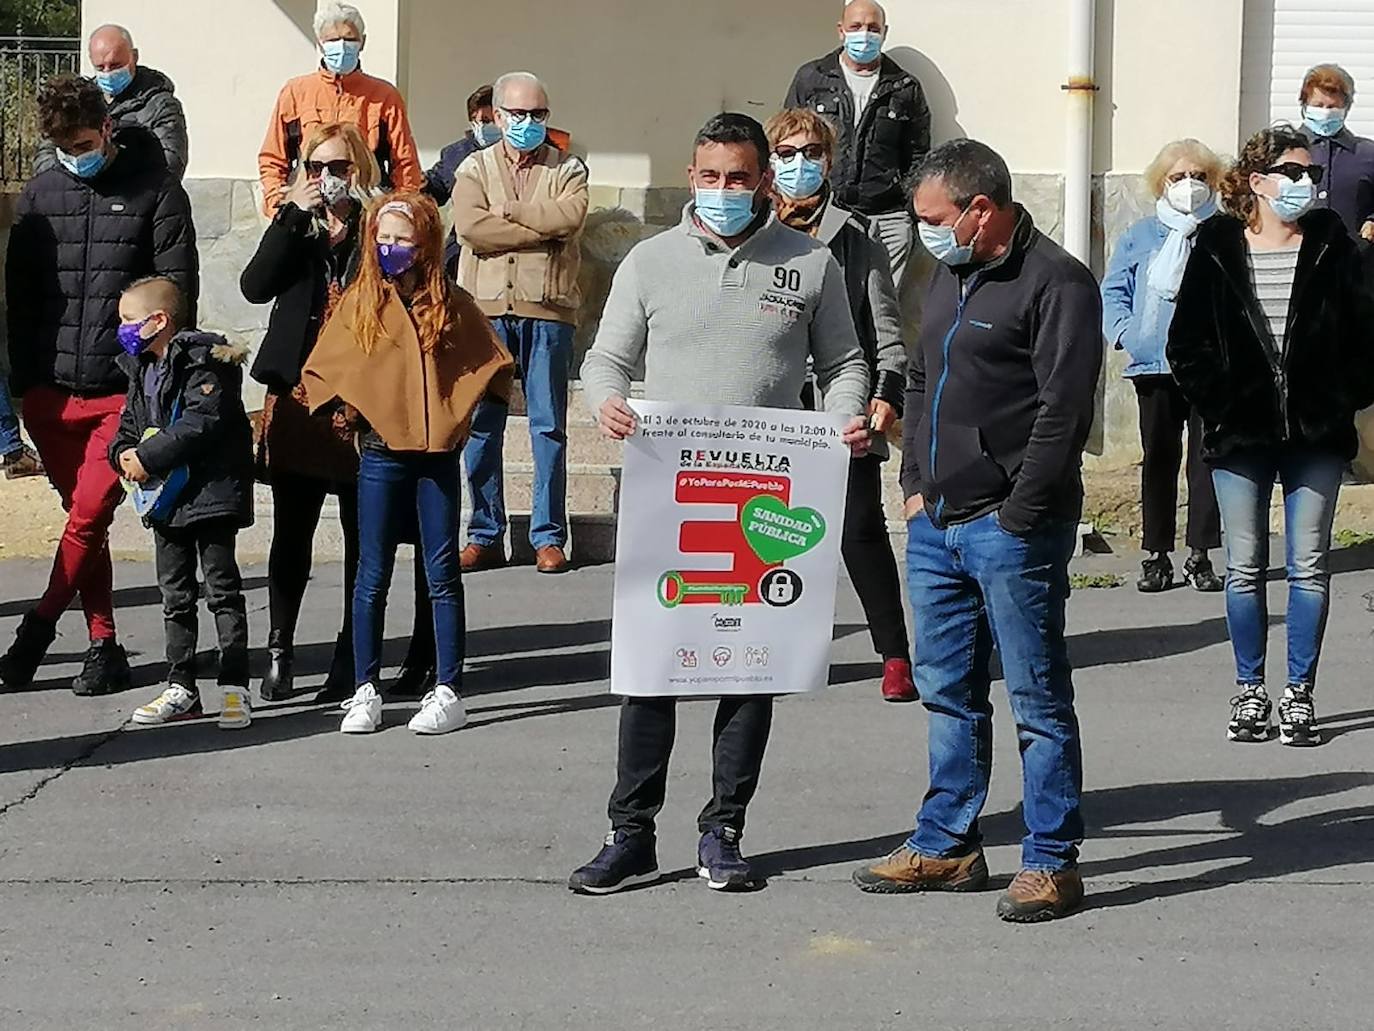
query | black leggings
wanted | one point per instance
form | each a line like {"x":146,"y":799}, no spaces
{"x":867,"y":552}
{"x":296,"y":505}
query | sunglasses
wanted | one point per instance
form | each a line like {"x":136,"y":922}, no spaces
{"x":813,"y":152}
{"x":1178,"y":177}
{"x":1295,"y":171}
{"x":339,"y":169}
{"x":517,"y":114}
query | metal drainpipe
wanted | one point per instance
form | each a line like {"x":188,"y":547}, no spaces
{"x":1078,"y":172}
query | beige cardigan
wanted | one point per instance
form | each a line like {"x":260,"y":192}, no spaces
{"x":520,"y":247}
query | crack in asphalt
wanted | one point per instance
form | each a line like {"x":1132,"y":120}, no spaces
{"x":82,"y":756}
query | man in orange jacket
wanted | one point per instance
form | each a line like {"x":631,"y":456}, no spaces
{"x":339,"y":91}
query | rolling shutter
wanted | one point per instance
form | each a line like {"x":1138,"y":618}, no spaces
{"x":1308,"y":32}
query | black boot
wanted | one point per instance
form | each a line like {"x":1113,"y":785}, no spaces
{"x":278,"y":683}
{"x":417,"y":671}
{"x":31,"y":643}
{"x":105,"y":671}
{"x":339,"y":685}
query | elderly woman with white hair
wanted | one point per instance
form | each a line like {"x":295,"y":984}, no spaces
{"x":1138,"y":297}
{"x":339,"y":91}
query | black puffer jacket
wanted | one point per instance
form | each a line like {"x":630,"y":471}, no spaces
{"x":211,"y":437}
{"x":874,"y":157}
{"x":149,"y":102}
{"x":1250,"y":393}
{"x":76,"y":244}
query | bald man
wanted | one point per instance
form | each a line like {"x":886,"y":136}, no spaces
{"x":136,"y":95}
{"x":882,"y":119}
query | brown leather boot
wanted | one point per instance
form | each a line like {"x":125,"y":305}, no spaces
{"x":905,"y":870}
{"x":551,"y":559}
{"x":1037,"y":895}
{"x":477,"y":557}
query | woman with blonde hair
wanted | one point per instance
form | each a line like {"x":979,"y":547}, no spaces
{"x":412,"y":354}
{"x":1271,"y":342}
{"x":309,"y":254}
{"x":1139,"y":292}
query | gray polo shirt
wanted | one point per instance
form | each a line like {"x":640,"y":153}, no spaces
{"x":722,"y":326}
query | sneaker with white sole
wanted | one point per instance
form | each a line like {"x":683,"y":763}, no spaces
{"x":441,"y":712}
{"x":235,"y":709}
{"x":362,"y":712}
{"x":1298,"y":717}
{"x":174,"y":703}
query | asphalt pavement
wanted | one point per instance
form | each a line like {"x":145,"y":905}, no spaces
{"x":289,"y":877}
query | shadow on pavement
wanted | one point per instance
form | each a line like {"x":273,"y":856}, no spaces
{"x":124,"y":597}
{"x":1249,"y":849}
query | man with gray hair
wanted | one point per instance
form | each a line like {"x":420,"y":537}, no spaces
{"x":519,"y":207}
{"x":137,"y":96}
{"x":998,"y":406}
{"x":339,"y":91}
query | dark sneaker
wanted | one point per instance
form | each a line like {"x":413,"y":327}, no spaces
{"x":31,"y":643}
{"x":412,"y":682}
{"x":338,"y":685}
{"x":719,"y":861}
{"x":624,"y":861}
{"x":897,"y":683}
{"x":105,"y":671}
{"x":1200,"y":576}
{"x":1250,"y":714}
{"x":1036,"y":895}
{"x":1298,"y":717}
{"x":22,"y":462}
{"x":1156,"y":575}
{"x":907,"y":871}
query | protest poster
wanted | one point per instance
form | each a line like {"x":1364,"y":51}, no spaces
{"x":727,"y":550}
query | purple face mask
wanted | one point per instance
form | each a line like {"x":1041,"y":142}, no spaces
{"x":395,"y":258}
{"x":131,"y":337}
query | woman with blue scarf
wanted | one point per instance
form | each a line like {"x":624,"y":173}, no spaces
{"x":1138,"y":296}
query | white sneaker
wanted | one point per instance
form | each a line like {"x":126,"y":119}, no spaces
{"x":235,"y":709}
{"x":362,"y":712}
{"x":175,"y":703}
{"x":441,"y":711}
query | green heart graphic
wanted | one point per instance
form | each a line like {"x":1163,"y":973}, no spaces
{"x":778,"y":533}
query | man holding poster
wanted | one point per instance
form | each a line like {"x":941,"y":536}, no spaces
{"x":724,"y":310}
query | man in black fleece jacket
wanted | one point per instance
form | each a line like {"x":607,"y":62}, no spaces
{"x":998,"y":408}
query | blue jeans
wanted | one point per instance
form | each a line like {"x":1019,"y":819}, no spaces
{"x":1311,"y":480}
{"x":393,"y":488}
{"x":543,"y":353}
{"x":973,"y":586}
{"x":10,"y":440}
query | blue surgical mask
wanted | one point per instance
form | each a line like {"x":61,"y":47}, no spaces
{"x":83,"y":166}
{"x":341,"y":55}
{"x":798,"y":177}
{"x":944,"y":245}
{"x":114,"y":83}
{"x":725,"y":212}
{"x":485,"y":133}
{"x":863,"y":47}
{"x":1324,"y":121}
{"x":1295,"y":199}
{"x":525,"y":134}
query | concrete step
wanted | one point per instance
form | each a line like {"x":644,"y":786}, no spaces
{"x":586,"y":445}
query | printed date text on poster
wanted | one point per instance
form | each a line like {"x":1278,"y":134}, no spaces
{"x":728,"y":550}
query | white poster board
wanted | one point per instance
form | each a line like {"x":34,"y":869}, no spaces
{"x":727,"y":551}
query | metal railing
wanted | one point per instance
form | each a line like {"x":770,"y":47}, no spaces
{"x":25,"y":64}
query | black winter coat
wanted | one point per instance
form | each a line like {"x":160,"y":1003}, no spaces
{"x":1250,"y":393}
{"x":873,"y":158}
{"x":149,"y":102}
{"x":293,"y":269}
{"x":76,"y":244}
{"x":212,"y":436}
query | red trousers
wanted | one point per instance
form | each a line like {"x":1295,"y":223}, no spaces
{"x":73,"y":436}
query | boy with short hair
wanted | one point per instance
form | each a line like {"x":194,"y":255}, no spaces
{"x":184,"y":432}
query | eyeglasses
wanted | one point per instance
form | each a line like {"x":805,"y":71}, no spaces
{"x":1295,"y":171}
{"x":813,"y":151}
{"x":515,"y":114}
{"x":1178,"y":177}
{"x":340,"y":169}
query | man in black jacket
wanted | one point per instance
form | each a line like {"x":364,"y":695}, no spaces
{"x":882,"y":118}
{"x":109,"y":214}
{"x":998,"y":408}
{"x":136,"y":95}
